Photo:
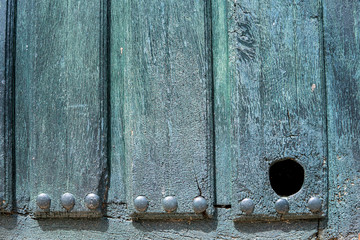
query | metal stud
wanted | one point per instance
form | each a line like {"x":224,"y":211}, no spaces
{"x":314,"y":204}
{"x":247,"y":206}
{"x":92,"y":201}
{"x":67,"y":201}
{"x":43,"y":201}
{"x":200,"y":204}
{"x":282,"y":206}
{"x":170,"y":204}
{"x":141,"y":203}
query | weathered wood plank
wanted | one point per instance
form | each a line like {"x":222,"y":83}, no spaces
{"x":61,"y":102}
{"x":120,"y":22}
{"x":166,"y":74}
{"x":3,"y":173}
{"x":277,"y":103}
{"x":7,"y":39}
{"x":222,"y":104}
{"x":342,"y":65}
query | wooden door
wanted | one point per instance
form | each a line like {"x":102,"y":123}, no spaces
{"x":181,"y":110}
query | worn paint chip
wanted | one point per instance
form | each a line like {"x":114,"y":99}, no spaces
{"x":313,"y":87}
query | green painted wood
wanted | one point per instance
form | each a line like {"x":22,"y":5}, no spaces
{"x":164,"y":66}
{"x":341,"y":25}
{"x":278,"y":102}
{"x":7,"y":37}
{"x":3,"y":172}
{"x":119,"y":25}
{"x":61,"y":104}
{"x":342,"y":65}
{"x":222,"y":104}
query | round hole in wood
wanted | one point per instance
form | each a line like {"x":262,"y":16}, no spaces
{"x":286,"y":177}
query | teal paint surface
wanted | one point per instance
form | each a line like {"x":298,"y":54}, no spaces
{"x":3,"y":163}
{"x":342,"y":68}
{"x":278,"y":105}
{"x":60,"y":104}
{"x":119,"y":23}
{"x":7,"y":34}
{"x":327,"y":30}
{"x":164,"y":65}
{"x":222,"y":103}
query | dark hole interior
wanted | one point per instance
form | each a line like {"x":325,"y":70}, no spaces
{"x":286,"y":177}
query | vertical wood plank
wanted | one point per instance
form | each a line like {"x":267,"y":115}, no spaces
{"x":7,"y":56}
{"x":222,"y":102}
{"x":342,"y":65}
{"x":277,"y":102}
{"x":3,"y":164}
{"x":61,"y":103}
{"x":165,"y":69}
{"x":120,"y":22}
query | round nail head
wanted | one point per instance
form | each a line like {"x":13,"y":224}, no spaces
{"x":200,"y":204}
{"x":141,"y":203}
{"x":170,"y":204}
{"x":43,"y":201}
{"x":282,"y":206}
{"x":247,"y":206}
{"x":92,"y":201}
{"x":314,"y":204}
{"x":67,"y":201}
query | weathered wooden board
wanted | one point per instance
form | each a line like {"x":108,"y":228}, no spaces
{"x":61,"y":104}
{"x":342,"y":65}
{"x":3,"y":172}
{"x":341,"y":30}
{"x":222,"y":104}
{"x":7,"y":37}
{"x":164,"y":66}
{"x":119,"y":25}
{"x":278,"y":103}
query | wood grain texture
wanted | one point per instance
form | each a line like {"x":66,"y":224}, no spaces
{"x":118,"y":42}
{"x":7,"y":56}
{"x":165,"y":73}
{"x":341,"y":38}
{"x":3,"y":172}
{"x":278,"y":102}
{"x":222,"y":102}
{"x":342,"y":64}
{"x":61,"y":103}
